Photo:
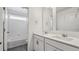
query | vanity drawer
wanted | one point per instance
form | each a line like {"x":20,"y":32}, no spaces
{"x":39,"y":37}
{"x":62,"y":46}
{"x":49,"y":47}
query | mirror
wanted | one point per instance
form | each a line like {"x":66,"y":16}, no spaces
{"x":67,"y":19}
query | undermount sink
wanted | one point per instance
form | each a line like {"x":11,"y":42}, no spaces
{"x":64,"y":38}
{"x":69,"y":38}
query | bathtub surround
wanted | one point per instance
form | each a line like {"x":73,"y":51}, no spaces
{"x":15,"y":43}
{"x":19,"y":48}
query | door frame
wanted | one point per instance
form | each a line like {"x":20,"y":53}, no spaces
{"x":5,"y":27}
{"x":1,"y":28}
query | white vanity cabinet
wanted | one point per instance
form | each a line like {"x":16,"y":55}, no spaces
{"x":38,"y":43}
{"x":59,"y":46}
{"x":49,"y":47}
{"x":42,"y":43}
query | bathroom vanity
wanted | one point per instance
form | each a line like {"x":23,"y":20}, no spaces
{"x":51,"y":42}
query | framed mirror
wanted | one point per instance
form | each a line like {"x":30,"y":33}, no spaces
{"x":67,"y":19}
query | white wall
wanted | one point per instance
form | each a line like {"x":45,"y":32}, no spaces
{"x":40,"y":21}
{"x":35,"y":23}
{"x":47,"y":19}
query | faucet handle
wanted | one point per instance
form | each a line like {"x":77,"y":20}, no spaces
{"x":46,"y":32}
{"x":64,"y":35}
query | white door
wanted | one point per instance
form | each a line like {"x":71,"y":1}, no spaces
{"x":1,"y":29}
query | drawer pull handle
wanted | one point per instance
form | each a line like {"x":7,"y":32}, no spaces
{"x":0,"y":43}
{"x":37,"y":42}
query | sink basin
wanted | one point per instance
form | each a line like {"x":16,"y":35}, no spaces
{"x":64,"y":38}
{"x":69,"y":39}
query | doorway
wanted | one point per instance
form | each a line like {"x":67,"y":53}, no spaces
{"x":16,"y":29}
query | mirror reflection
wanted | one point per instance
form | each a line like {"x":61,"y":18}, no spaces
{"x":67,"y":18}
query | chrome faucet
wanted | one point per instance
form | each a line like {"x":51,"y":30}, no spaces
{"x":64,"y":35}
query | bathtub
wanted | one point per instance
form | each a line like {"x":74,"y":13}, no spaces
{"x":16,"y":40}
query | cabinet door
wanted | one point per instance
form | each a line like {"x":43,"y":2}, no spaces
{"x":51,"y":48}
{"x":38,"y":45}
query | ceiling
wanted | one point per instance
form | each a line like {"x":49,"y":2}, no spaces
{"x":18,"y":11}
{"x":61,"y":8}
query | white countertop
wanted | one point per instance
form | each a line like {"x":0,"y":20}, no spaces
{"x":70,"y":40}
